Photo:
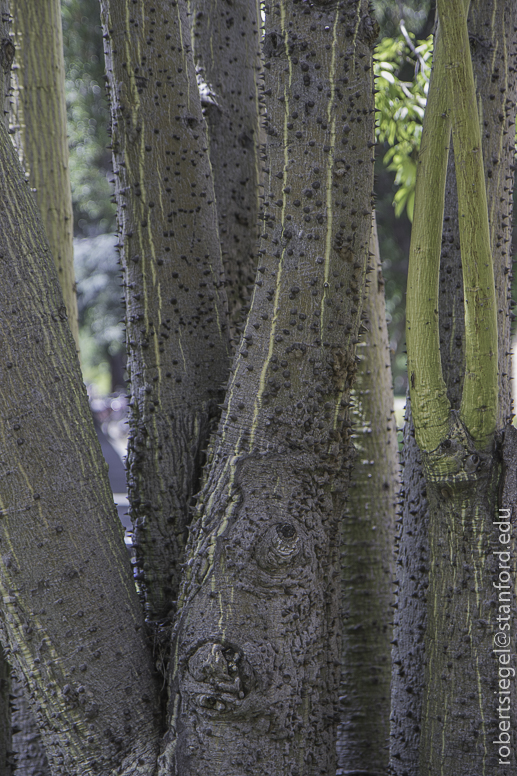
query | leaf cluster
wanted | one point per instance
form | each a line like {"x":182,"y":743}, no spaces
{"x":400,"y":110}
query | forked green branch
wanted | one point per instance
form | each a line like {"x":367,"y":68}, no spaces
{"x":478,"y":409}
{"x":452,"y":93}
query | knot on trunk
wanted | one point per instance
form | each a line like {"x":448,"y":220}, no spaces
{"x":219,"y":677}
{"x":7,"y":51}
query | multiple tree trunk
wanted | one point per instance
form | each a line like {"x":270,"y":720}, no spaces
{"x":176,"y":309}
{"x":255,"y":658}
{"x":445,"y":672}
{"x":272,"y":626}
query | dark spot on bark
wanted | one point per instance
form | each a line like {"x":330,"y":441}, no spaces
{"x":7,"y":51}
{"x":286,"y":530}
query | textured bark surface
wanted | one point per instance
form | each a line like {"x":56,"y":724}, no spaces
{"x":6,"y":759}
{"x":256,"y":647}
{"x":368,"y":557}
{"x":71,"y":619}
{"x":459,"y":712}
{"x":28,"y":753}
{"x":21,"y":751}
{"x":39,"y":102}
{"x":493,"y":37}
{"x":480,"y":396}
{"x":427,"y":387}
{"x":177,"y":332}
{"x":6,"y":59}
{"x":493,"y":60}
{"x":409,"y":624}
{"x":226,"y":46}
{"x":452,"y":320}
{"x":492,"y":42}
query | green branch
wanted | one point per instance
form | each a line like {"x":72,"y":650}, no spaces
{"x":429,"y":402}
{"x":451,"y":91}
{"x":480,"y":392}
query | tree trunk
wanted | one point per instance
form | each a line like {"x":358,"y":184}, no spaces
{"x":39,"y":103}
{"x":368,"y":562}
{"x":6,"y":58}
{"x":226,"y":47}
{"x":255,"y":657}
{"x":492,"y":58}
{"x":71,"y":619}
{"x":19,"y":734}
{"x":177,"y":332}
{"x":6,"y":743}
{"x":28,"y":752}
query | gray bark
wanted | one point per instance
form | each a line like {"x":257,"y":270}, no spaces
{"x":368,"y":552}
{"x":21,"y":749}
{"x":177,"y":329}
{"x":408,"y":657}
{"x":71,"y":620}
{"x":226,"y":46}
{"x":29,"y":755}
{"x":6,"y":59}
{"x":492,"y":29}
{"x":257,"y":642}
{"x":39,"y":104}
{"x":6,"y":743}
{"x":6,"y":53}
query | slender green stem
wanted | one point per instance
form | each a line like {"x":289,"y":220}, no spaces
{"x":429,"y":402}
{"x":480,"y":393}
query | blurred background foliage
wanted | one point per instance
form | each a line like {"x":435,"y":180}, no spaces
{"x":88,"y":118}
{"x":400,"y":110}
{"x":402,"y":65}
{"x":101,"y":312}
